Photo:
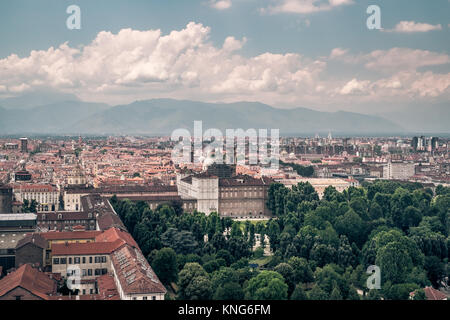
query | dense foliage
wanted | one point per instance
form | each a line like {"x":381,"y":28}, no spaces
{"x":321,"y":248}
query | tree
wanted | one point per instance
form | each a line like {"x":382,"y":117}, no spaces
{"x":435,"y":270}
{"x":229,"y":291}
{"x":181,"y":241}
{"x":199,"y":289}
{"x":165,"y":265}
{"x":288,"y":274}
{"x":226,"y":255}
{"x":352,"y":226}
{"x":302,"y":270}
{"x":419,"y":294}
{"x":29,"y":206}
{"x":400,"y":291}
{"x":316,"y":293}
{"x":268,"y":285}
{"x":374,"y":294}
{"x":299,"y":293}
{"x":375,"y":211}
{"x":224,"y":275}
{"x":336,"y":294}
{"x":193,"y":282}
{"x":238,"y":248}
{"x":394,"y":262}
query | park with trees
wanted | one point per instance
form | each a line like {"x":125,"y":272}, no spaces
{"x":320,"y":248}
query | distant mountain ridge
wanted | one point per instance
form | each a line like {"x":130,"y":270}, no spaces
{"x":162,"y":116}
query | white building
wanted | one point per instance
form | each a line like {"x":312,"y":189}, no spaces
{"x":47,"y":196}
{"x":320,"y":184}
{"x":203,"y":187}
{"x":398,"y":170}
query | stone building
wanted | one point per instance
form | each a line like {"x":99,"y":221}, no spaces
{"x":31,"y":250}
{"x":46,"y":196}
{"x":27,"y":283}
{"x":238,"y":196}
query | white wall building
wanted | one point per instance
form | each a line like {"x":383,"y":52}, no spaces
{"x":204,"y":188}
{"x":398,"y":170}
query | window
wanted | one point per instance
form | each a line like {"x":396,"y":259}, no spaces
{"x":63,"y":260}
{"x":97,"y":272}
{"x":104,"y":259}
{"x":84,"y":259}
{"x":18,"y":297}
{"x":89,"y":272}
{"x":84,"y":291}
{"x":70,"y":260}
{"x":97,"y":259}
{"x":90,"y":259}
{"x":153,"y":297}
{"x":84,"y":273}
{"x":77,"y":260}
{"x":55,"y":260}
{"x":144,"y":298}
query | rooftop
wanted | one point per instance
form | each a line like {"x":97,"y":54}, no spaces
{"x":134,"y":273}
{"x":17,"y":216}
{"x":30,"y":279}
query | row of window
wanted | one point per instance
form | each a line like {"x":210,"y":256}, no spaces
{"x":250,"y":194}
{"x":80,"y":260}
{"x":88,"y":272}
{"x":145,"y":298}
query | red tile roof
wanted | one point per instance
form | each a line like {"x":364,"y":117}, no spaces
{"x":107,"y":289}
{"x":114,"y":234}
{"x":134,"y":273}
{"x":90,"y":248}
{"x":433,"y":294}
{"x":30,"y":279}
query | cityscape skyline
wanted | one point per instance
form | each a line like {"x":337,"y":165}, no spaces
{"x":232,"y":152}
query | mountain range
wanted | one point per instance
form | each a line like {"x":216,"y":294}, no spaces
{"x":162,"y":116}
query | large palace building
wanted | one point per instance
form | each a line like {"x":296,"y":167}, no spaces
{"x":237,"y":196}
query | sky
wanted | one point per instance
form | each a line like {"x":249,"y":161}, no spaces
{"x":287,"y":53}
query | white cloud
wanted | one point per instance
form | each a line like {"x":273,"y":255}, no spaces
{"x":135,"y":62}
{"x":220,"y":4}
{"x":355,"y":87}
{"x":185,"y":64}
{"x":404,"y":59}
{"x":232,"y":44}
{"x":394,"y":59}
{"x":412,"y":26}
{"x":304,"y":6}
{"x":338,"y":52}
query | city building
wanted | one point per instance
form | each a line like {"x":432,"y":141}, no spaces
{"x":239,"y":196}
{"x":113,"y":252}
{"x":24,"y":145}
{"x":398,"y":170}
{"x":31,"y":250}
{"x":13,"y":228}
{"x":46,"y":196}
{"x":6,"y":199}
{"x":320,"y":184}
{"x":27,"y":283}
